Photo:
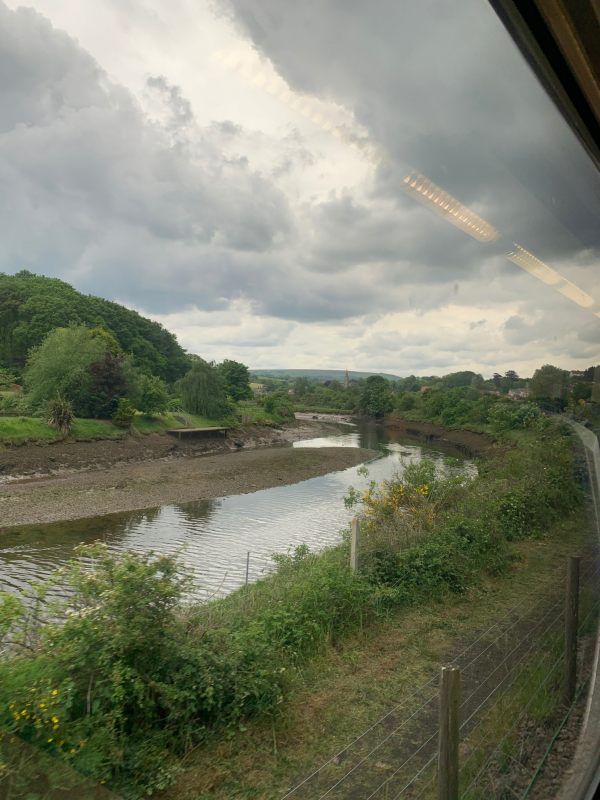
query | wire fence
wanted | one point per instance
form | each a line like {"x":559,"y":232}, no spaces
{"x":512,"y":678}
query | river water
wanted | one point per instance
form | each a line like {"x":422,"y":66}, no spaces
{"x":214,"y":537}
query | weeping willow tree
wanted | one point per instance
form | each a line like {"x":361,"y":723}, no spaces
{"x":203,"y":391}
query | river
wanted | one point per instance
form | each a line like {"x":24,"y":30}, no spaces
{"x":214,"y":537}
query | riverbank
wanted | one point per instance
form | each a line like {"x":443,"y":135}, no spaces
{"x":172,"y":479}
{"x":38,"y":459}
{"x":471,"y":443}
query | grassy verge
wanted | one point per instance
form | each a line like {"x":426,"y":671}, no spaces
{"x":17,"y":430}
{"x":354,"y":682}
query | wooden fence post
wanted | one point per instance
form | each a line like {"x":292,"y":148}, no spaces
{"x":354,"y":543}
{"x":571,"y":623}
{"x":448,"y":744}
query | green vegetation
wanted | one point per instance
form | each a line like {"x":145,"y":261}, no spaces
{"x":106,"y":362}
{"x":279,"y":405}
{"x":141,"y":679}
{"x":203,"y":391}
{"x":340,"y":693}
{"x":32,"y":306}
{"x":455,"y":400}
{"x":19,"y":429}
{"x":376,"y":397}
{"x":59,"y":414}
{"x":550,"y":387}
{"x":236,"y":378}
{"x":82,"y":365}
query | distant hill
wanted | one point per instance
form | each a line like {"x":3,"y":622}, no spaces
{"x":319,"y":374}
{"x":33,"y":305}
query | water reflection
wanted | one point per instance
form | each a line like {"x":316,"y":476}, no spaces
{"x":214,"y":536}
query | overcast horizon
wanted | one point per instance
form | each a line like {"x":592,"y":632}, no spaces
{"x":252,"y":174}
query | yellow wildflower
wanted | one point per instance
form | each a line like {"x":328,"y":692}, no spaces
{"x":55,"y":719}
{"x":54,"y":692}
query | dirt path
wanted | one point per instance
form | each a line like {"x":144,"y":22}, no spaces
{"x":128,"y":487}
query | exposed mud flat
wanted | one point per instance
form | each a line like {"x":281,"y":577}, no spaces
{"x":146,"y":484}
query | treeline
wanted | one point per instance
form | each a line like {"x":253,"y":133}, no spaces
{"x":463,"y":397}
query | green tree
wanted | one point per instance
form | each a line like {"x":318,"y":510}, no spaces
{"x":236,"y":378}
{"x":376,"y":397}
{"x":147,"y":392}
{"x":61,"y":365}
{"x":465,"y":378}
{"x":203,"y":391}
{"x":79,"y":365}
{"x":549,"y":386}
{"x":7,"y":377}
{"x":279,"y":404}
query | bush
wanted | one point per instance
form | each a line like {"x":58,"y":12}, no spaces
{"x":510,"y":415}
{"x":124,"y":414}
{"x":279,"y":405}
{"x":59,"y":414}
{"x":148,"y":394}
{"x":15,"y":404}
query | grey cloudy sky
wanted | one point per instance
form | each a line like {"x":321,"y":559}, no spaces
{"x":235,"y":169}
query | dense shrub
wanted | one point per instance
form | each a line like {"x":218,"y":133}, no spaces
{"x":124,"y":413}
{"x":279,"y":405}
{"x":59,"y":414}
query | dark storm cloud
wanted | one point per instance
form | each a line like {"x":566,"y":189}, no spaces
{"x":443,"y":89}
{"x":154,"y":214}
{"x":418,"y":246}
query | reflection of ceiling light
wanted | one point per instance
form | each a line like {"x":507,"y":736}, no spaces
{"x":576,"y":294}
{"x":527,"y":261}
{"x":449,"y":207}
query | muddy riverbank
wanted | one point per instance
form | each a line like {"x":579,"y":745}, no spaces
{"x":470,"y":443}
{"x":38,"y":459}
{"x":129,"y":487}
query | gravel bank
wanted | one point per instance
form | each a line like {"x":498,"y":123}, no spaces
{"x":129,"y":487}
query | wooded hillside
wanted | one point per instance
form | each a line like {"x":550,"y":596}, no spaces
{"x":33,"y":305}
